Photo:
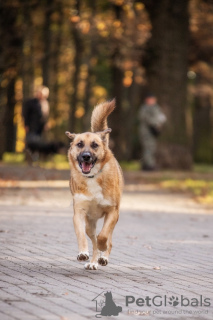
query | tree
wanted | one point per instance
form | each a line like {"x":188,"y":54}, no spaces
{"x":167,"y":66}
{"x":10,"y":49}
{"x":27,"y":54}
{"x":201,"y":82}
{"x":127,"y":43}
{"x":47,"y":38}
{"x":78,"y":47}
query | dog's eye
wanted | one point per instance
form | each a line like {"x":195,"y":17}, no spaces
{"x":80,"y":144}
{"x":94,"y":145}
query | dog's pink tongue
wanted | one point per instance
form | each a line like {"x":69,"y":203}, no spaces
{"x":86,"y":166}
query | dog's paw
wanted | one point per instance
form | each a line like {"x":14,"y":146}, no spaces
{"x":91,"y":266}
{"x":83,"y":256}
{"x":103,"y":261}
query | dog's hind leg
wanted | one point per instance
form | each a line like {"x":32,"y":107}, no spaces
{"x":79,"y":225}
{"x":91,"y":232}
{"x":104,"y":239}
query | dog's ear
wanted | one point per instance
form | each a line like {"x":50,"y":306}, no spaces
{"x":103,"y":134}
{"x":71,"y":136}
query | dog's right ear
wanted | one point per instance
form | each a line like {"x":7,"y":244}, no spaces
{"x":71,"y":136}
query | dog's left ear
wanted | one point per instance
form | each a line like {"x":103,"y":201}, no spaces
{"x":103,"y":134}
{"x":71,"y":136}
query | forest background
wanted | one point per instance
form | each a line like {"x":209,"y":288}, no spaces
{"x":89,"y":51}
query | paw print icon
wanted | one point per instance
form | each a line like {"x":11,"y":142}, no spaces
{"x":173,"y":301}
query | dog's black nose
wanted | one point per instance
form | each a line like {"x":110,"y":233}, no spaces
{"x":86,"y":156}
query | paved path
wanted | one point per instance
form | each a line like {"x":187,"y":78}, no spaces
{"x":163,"y":246}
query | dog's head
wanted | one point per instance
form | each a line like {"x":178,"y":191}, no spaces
{"x":88,"y":150}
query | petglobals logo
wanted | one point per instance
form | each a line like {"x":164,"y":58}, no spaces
{"x":159,"y":301}
{"x":105,"y":305}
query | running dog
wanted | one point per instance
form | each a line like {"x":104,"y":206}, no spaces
{"x":96,"y":185}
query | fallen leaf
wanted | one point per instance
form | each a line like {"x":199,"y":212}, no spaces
{"x":157,"y":268}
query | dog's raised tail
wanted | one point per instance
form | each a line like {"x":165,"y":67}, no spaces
{"x":100,"y":115}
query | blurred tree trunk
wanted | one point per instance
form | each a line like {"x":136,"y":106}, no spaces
{"x":92,"y":56}
{"x":48,"y":7}
{"x":2,"y":122}
{"x":116,"y":120}
{"x":117,"y":116}
{"x":134,"y":98}
{"x":77,"y":42}
{"x":9,"y":117}
{"x":52,"y":37}
{"x":87,"y":106}
{"x":56,"y":58}
{"x":10,"y":51}
{"x":203,"y":126}
{"x":167,"y":72}
{"x":27,"y":53}
{"x":2,"y":78}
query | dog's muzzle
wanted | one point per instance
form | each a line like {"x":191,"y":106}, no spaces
{"x":86,"y":161}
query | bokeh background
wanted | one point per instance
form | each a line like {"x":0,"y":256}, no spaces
{"x":90,"y":51}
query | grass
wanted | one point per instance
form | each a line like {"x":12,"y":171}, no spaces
{"x":130,"y":165}
{"x":13,"y":158}
{"x":200,"y":187}
{"x":61,"y":160}
{"x":203,"y":168}
{"x":201,"y":190}
{"x":58,"y":161}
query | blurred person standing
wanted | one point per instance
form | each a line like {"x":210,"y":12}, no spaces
{"x":151,"y":120}
{"x":36,"y":112}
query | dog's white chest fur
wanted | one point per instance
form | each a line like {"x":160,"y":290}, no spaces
{"x":95,"y":189}
{"x":96,"y":194}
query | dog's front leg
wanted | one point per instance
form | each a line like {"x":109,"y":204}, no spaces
{"x":104,"y":239}
{"x":79,"y":225}
{"x":91,"y":232}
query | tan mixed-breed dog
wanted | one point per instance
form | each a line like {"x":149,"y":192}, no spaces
{"x":96,"y":185}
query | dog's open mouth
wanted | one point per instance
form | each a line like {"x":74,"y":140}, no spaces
{"x":86,"y":166}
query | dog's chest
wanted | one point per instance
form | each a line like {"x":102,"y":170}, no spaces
{"x":94,"y":196}
{"x":96,"y":192}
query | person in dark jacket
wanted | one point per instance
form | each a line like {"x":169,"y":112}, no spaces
{"x":35,"y":113}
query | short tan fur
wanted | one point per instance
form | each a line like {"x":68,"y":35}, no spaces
{"x":96,"y":184}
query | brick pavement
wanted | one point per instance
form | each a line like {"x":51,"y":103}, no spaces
{"x":162,"y":246}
